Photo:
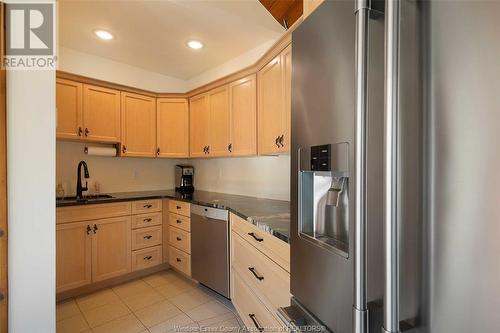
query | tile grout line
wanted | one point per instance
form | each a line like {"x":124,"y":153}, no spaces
{"x":82,"y":314}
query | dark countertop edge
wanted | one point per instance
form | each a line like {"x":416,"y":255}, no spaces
{"x":258,"y":224}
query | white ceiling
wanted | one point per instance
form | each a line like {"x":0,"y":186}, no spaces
{"x":152,"y":34}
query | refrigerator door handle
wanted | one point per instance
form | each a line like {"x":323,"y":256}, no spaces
{"x":360,"y":308}
{"x":391,"y":232}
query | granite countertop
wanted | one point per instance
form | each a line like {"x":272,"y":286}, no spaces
{"x":272,"y":216}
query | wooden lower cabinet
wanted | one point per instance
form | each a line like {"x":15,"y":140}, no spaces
{"x":251,"y":310}
{"x":111,"y":248}
{"x":73,"y":255}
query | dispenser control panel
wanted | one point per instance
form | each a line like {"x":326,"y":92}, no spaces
{"x":320,"y":158}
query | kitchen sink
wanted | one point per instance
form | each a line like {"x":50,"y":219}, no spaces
{"x":88,"y":197}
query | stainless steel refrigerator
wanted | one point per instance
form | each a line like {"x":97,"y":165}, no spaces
{"x":394,"y":167}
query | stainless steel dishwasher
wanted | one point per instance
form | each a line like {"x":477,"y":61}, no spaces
{"x":210,"y":248}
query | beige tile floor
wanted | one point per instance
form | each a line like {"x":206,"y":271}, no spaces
{"x":162,"y":302}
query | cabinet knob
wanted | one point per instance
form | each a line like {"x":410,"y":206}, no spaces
{"x":89,"y":229}
{"x":179,"y":239}
{"x":147,"y":206}
{"x":208,"y":149}
{"x":148,"y":219}
{"x":276,"y":141}
{"x":80,"y":131}
{"x":158,"y":151}
{"x":281,"y":140}
{"x":95,"y":228}
{"x":230,"y":147}
{"x":87,"y":132}
{"x":148,"y":258}
{"x":178,"y":260}
{"x":124,"y":149}
{"x":148,"y":237}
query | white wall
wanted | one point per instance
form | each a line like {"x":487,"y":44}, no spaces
{"x":262,"y":177}
{"x":31,"y":200}
{"x":244,"y":60}
{"x":113,"y":174}
{"x":96,"y":67}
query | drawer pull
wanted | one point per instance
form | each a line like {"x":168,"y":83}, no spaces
{"x":179,"y":221}
{"x":255,"y":322}
{"x":257,"y":276}
{"x":178,"y":260}
{"x":148,"y":206}
{"x":178,"y":207}
{"x":148,"y":237}
{"x":179,"y":239}
{"x":258,"y":239}
{"x":148,"y":258}
{"x":148,"y":219}
{"x":89,"y":229}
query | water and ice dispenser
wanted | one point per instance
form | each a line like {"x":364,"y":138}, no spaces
{"x":324,"y":196}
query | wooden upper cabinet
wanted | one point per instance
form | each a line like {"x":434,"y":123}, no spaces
{"x":101,"y":114}
{"x":243,"y":116}
{"x":73,"y":255}
{"x":138,"y":130}
{"x":219,"y":122}
{"x":274,"y":91}
{"x":111,"y":248}
{"x":270,"y":99}
{"x":172,"y":131}
{"x":199,"y":125}
{"x":69,"y":109}
{"x":287,"y":112}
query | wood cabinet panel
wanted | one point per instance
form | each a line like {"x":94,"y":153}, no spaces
{"x":243,"y":116}
{"x":111,"y":248}
{"x":166,"y":229}
{"x":146,"y":220}
{"x":69,"y":104}
{"x":199,"y":125}
{"x":276,"y":249}
{"x":92,"y":212}
{"x":180,"y":260}
{"x":145,"y":258}
{"x":180,"y":239}
{"x":270,"y":99}
{"x":146,"y":237}
{"x":146,"y":206}
{"x":254,"y":314}
{"x":101,"y":114}
{"x":138,"y":130}
{"x":179,"y":207}
{"x":180,"y":221}
{"x":219,"y":122}
{"x":269,"y":281}
{"x":287,"y":112}
{"x":73,"y":255}
{"x":172,"y":121}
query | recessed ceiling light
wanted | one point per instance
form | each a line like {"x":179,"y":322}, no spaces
{"x":104,"y":35}
{"x":194,"y":44}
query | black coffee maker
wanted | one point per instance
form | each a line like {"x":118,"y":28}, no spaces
{"x":184,"y":181}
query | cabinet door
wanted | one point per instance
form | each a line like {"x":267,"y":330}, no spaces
{"x":101,"y":114}
{"x":138,"y":118}
{"x":69,"y":109}
{"x":270,"y":106}
{"x":73,"y":255}
{"x":219,"y":122}
{"x":287,"y":110}
{"x":199,"y":122}
{"x":172,"y":119}
{"x":111,"y":248}
{"x":243,"y":114}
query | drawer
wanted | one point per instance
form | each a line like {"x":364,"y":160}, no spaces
{"x":92,"y":212}
{"x":146,"y":237}
{"x":179,"y":207}
{"x":253,"y":313}
{"x":270,"y":282}
{"x":146,"y":220}
{"x":179,"y":221}
{"x":146,"y":258}
{"x":180,"y":239}
{"x":146,"y":206}
{"x":276,"y":249}
{"x":180,"y":260}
